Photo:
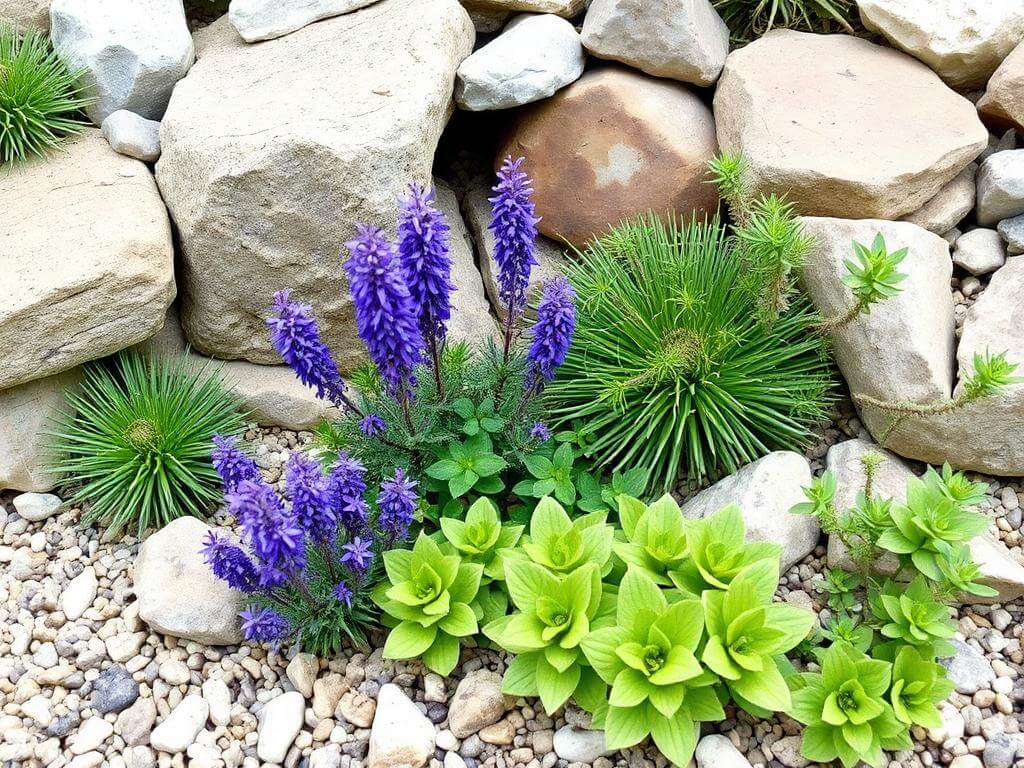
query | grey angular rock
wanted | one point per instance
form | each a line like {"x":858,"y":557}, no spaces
{"x":1001,"y":187}
{"x":950,"y":205}
{"x":26,"y":13}
{"x":765,"y":490}
{"x":178,"y":594}
{"x":968,"y":669}
{"x":131,"y":52}
{"x":923,"y":134}
{"x":401,"y":735}
{"x":271,"y":154}
{"x":532,"y":58}
{"x":681,"y":39}
{"x":258,"y":20}
{"x":132,"y":135}
{"x":979,"y":251}
{"x":36,"y":507}
{"x":87,"y":259}
{"x":114,"y":690}
{"x":1012,"y":231}
{"x":478,"y":702}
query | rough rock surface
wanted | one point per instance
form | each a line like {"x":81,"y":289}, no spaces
{"x":531,"y":59}
{"x":178,"y":594}
{"x":639,"y":144}
{"x":681,"y":39}
{"x":86,"y":255}
{"x":1012,"y":231}
{"x":35,"y":507}
{"x":922,"y":133}
{"x":980,"y":251}
{"x":962,"y":40}
{"x":280,"y":722}
{"x":401,"y":735}
{"x":765,"y":490}
{"x":950,"y":205}
{"x":132,"y":135}
{"x":132,"y":52}
{"x":1001,"y":187}
{"x":1003,"y":102}
{"x":258,"y":20}
{"x":566,"y":8}
{"x":486,"y":19}
{"x":478,"y":702}
{"x":273,"y":152}
{"x":26,"y":13}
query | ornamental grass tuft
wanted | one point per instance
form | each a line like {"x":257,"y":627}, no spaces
{"x":137,"y":437}
{"x":748,"y":19}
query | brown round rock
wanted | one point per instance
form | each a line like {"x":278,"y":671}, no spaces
{"x":613,"y":145}
{"x":842,"y":126}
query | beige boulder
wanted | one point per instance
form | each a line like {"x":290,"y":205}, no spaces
{"x":566,"y":8}
{"x":26,"y":13}
{"x":638,"y":144}
{"x":1003,"y":101}
{"x":962,"y":40}
{"x":86,"y":259}
{"x":271,"y":153}
{"x":843,"y":127}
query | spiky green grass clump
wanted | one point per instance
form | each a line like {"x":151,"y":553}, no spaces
{"x":671,"y":366}
{"x":40,"y":99}
{"x":748,"y":19}
{"x":137,"y":439}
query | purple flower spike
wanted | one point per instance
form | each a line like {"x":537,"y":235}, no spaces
{"x":263,"y":625}
{"x":372,"y":425}
{"x":343,"y":594}
{"x":231,"y":463}
{"x":396,"y":504}
{"x":540,"y":432}
{"x":274,"y":535}
{"x":553,"y":331}
{"x":385,"y":314}
{"x":230,"y":563}
{"x":345,"y":488}
{"x":296,"y":337}
{"x":515,"y":234}
{"x":311,"y":505}
{"x":423,"y":250}
{"x":357,"y":555}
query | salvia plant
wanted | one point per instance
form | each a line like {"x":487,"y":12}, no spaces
{"x":135,"y":440}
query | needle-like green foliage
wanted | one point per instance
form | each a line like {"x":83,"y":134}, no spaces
{"x":748,"y":19}
{"x":138,"y":442}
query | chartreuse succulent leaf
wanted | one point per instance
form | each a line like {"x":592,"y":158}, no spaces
{"x":562,"y":544}
{"x":655,"y":537}
{"x":918,"y":684}
{"x":429,"y":595}
{"x":481,"y":537}
{"x":909,"y":614}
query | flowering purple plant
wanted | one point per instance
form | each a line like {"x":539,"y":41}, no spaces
{"x":232,"y":464}
{"x":553,"y":331}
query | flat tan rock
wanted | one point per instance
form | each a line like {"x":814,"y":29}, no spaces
{"x":1003,"y":102}
{"x":637,"y":144}
{"x":866,"y":132}
{"x":86,"y":259}
{"x":566,"y":8}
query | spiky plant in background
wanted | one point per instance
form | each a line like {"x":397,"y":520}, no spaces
{"x":748,"y":19}
{"x":671,"y":367}
{"x":138,"y":442}
{"x":40,"y":99}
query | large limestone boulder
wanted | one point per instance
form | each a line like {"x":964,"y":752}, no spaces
{"x":681,"y":39}
{"x":258,"y":20}
{"x":86,"y":259}
{"x":1003,"y":102}
{"x":866,"y":132}
{"x":962,"y":40}
{"x":566,"y":8}
{"x":638,"y":144}
{"x":178,"y":593}
{"x":27,"y":413}
{"x":26,"y":13}
{"x":271,"y":154}
{"x":132,"y":52}
{"x":765,"y":490}
{"x":903,"y":349}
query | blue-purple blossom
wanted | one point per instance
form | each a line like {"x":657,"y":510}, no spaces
{"x":263,"y":625}
{"x":540,"y":432}
{"x":274,"y":535}
{"x":385,"y":315}
{"x":423,"y":252}
{"x":553,"y":331}
{"x":396,"y":504}
{"x":230,"y":563}
{"x":515,"y":234}
{"x":345,"y":488}
{"x":231,"y":463}
{"x":311,"y":505}
{"x":296,"y":337}
{"x":343,"y":594}
{"x":357,"y":555}
{"x":372,"y":425}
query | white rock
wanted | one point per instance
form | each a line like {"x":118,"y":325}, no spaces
{"x":218,"y":697}
{"x":968,"y":669}
{"x":302,"y":671}
{"x":132,"y":52}
{"x":682,"y":39}
{"x":139,"y":757}
{"x":132,"y":135}
{"x":962,"y":40}
{"x":280,"y":722}
{"x":174,"y":672}
{"x":79,"y":594}
{"x":952,"y":724}
{"x":531,"y":59}
{"x":765,"y":490}
{"x":980,"y":251}
{"x":258,"y":20}
{"x":950,"y":206}
{"x":271,"y":153}
{"x":577,"y":745}
{"x":38,"y":708}
{"x":401,"y":735}
{"x":124,"y":645}
{"x":91,"y":734}
{"x":716,"y":751}
{"x":325,"y":757}
{"x":89,"y":265}
{"x":180,"y":727}
{"x":1001,"y":187}
{"x":36,"y":507}
{"x":478,"y":702}
{"x":26,"y":13}
{"x":178,"y":594}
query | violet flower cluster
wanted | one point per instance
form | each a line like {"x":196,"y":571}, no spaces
{"x":326,"y":514}
{"x":552,"y":333}
{"x":515,"y":233}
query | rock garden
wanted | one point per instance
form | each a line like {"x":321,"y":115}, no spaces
{"x":511,"y":383}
